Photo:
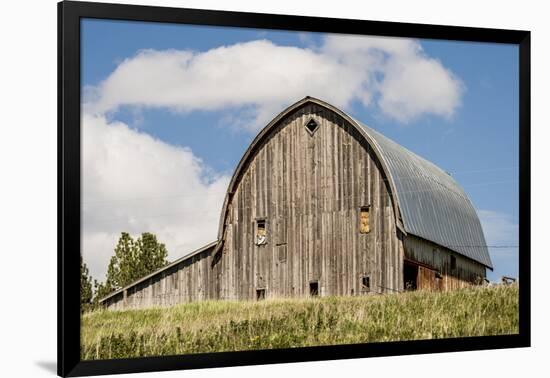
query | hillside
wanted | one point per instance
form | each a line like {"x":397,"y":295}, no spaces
{"x":216,"y":326}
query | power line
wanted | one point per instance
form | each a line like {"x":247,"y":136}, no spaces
{"x":479,"y":246}
{"x":486,"y":170}
{"x":343,"y":198}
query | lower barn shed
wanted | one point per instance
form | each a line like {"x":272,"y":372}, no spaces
{"x":321,"y":204}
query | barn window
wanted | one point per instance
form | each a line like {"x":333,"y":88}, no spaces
{"x":314,"y":288}
{"x":365,"y":283}
{"x":261,"y":233}
{"x":260,"y":294}
{"x":364,"y":220}
{"x":453,"y":263}
{"x":281,"y":252}
{"x":311,"y":126}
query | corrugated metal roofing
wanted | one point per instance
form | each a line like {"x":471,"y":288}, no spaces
{"x":433,"y":206}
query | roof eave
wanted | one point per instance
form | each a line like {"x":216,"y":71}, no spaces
{"x":160,"y":270}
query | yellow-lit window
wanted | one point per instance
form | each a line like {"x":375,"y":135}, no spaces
{"x":364,"y":220}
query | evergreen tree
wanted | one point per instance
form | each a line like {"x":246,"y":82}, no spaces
{"x":100,"y":290}
{"x":151,"y":255}
{"x":85,"y":287}
{"x":132,"y":260}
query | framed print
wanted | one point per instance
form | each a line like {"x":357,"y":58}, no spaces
{"x":239,"y":188}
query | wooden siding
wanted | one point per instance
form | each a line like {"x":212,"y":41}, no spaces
{"x":191,"y":280}
{"x":435,"y":261}
{"x":309,"y":188}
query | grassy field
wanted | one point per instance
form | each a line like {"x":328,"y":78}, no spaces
{"x":217,"y":326}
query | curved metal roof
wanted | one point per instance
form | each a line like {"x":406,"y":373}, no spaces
{"x":433,"y":205}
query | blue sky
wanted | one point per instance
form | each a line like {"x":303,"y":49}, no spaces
{"x":457,"y":108}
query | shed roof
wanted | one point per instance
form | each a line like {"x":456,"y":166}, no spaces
{"x":160,"y":270}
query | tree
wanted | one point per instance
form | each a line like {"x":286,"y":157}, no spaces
{"x":133,"y":260}
{"x":100,"y":290}
{"x":85,"y":287}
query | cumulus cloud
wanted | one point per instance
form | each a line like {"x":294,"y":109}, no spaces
{"x":393,"y":74}
{"x":501,"y":230}
{"x":135,"y":183}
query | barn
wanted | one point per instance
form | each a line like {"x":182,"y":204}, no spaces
{"x":319,"y":205}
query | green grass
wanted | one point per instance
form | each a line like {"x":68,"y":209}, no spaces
{"x":216,"y":326}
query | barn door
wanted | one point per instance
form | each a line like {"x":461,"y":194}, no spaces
{"x":410,"y":276}
{"x":280,"y":257}
{"x":417,"y":276}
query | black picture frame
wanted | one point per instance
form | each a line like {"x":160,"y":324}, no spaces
{"x":69,"y":222}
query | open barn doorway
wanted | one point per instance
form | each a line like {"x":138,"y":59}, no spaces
{"x":410,"y":276}
{"x":314,"y":288}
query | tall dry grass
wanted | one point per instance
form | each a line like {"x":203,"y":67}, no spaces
{"x":216,"y":326}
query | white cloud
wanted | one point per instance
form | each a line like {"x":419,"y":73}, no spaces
{"x":392,"y":73}
{"x":135,"y":183}
{"x":406,"y":81}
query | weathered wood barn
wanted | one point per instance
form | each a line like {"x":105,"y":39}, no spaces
{"x":321,"y":204}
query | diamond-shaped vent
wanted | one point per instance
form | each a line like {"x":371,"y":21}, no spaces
{"x":311,"y":126}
